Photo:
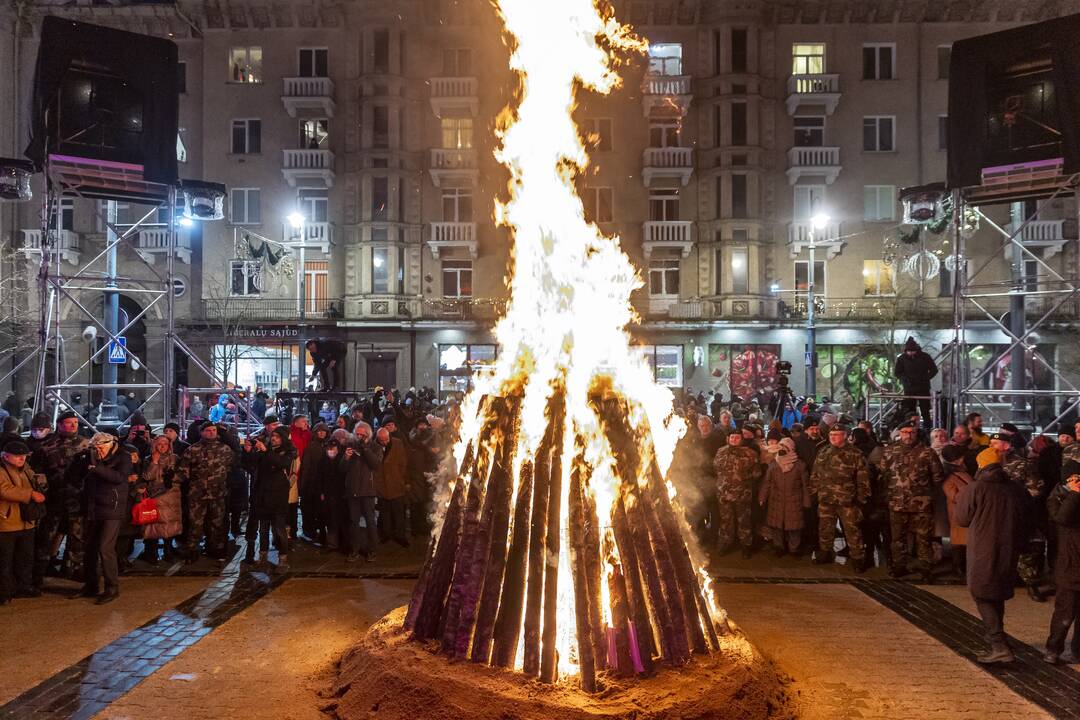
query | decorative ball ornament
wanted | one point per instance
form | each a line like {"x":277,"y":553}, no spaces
{"x":923,"y":265}
{"x":950,"y":262}
{"x":922,"y":204}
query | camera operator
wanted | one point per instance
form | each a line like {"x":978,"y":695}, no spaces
{"x":915,"y":369}
{"x":782,"y":403}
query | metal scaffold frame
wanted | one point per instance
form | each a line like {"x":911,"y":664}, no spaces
{"x":972,"y":291}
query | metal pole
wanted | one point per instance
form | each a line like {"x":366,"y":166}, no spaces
{"x":111,"y":319}
{"x":1018,"y":321}
{"x":168,"y":371}
{"x":303,"y":318}
{"x":811,"y":329}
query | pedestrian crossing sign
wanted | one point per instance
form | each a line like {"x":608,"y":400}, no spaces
{"x":118,"y":351}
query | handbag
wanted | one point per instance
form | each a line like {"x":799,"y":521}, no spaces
{"x":31,"y":512}
{"x":145,"y":512}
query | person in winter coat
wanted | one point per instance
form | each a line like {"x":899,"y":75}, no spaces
{"x":1064,"y":510}
{"x":271,"y":465}
{"x":335,"y":509}
{"x":994,"y":510}
{"x":785,"y":496}
{"x":107,"y":468}
{"x":392,"y":486}
{"x":158,"y":479}
{"x":300,"y":436}
{"x":423,"y":460}
{"x":16,"y":532}
{"x":954,"y":459}
{"x":311,"y":483}
{"x":219,"y":411}
{"x":362,"y":461}
{"x":915,"y":369}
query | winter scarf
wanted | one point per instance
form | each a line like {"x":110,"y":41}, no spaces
{"x":786,"y":457}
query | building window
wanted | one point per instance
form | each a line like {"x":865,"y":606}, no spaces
{"x":942,"y":132}
{"x":944,"y":58}
{"x":740,"y":271}
{"x":878,"y":61}
{"x":380,"y":127}
{"x":738,"y":123}
{"x":457,"y":363}
{"x":316,"y":285}
{"x":313,"y":62}
{"x":246,"y":137}
{"x":879,"y":203}
{"x":809,"y":199}
{"x":802,"y":279}
{"x":662,"y":135}
{"x":457,"y":205}
{"x":380,"y":270}
{"x":740,"y":204}
{"x":738,"y":50}
{"x":665,"y":361}
{"x":401,"y":270}
{"x":665,"y":59}
{"x":877,"y":278}
{"x":456,"y":62}
{"x":664,"y":277}
{"x":314,"y":134}
{"x":382,"y":51}
{"x":597,"y":134}
{"x":598,"y":203}
{"x":314,"y":205}
{"x":246,"y":277}
{"x":457,"y":278}
{"x":809,"y":131}
{"x":457,"y":133}
{"x":879,"y":133}
{"x":181,"y":78}
{"x":245,"y":65}
{"x":718,"y":275}
{"x":380,"y":198}
{"x":719,"y":197}
{"x":808,"y":59}
{"x":245,"y":206}
{"x":67,"y":214}
{"x":663,"y":204}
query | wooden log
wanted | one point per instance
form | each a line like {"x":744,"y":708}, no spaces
{"x":579,"y":571}
{"x":620,"y":615}
{"x":549,"y":639}
{"x":591,"y":550}
{"x":680,"y":647}
{"x":638,"y":610}
{"x":508,"y":624}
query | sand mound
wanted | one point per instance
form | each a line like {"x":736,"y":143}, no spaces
{"x":387,"y":676}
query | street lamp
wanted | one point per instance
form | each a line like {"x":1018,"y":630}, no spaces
{"x":818,"y":222}
{"x":296,"y":222}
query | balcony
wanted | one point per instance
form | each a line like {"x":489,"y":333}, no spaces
{"x":827,"y":238}
{"x":666,"y":95}
{"x":382,"y":306}
{"x":668,"y":162}
{"x":813,"y":90}
{"x":1046,"y":234}
{"x":466,"y":308}
{"x":153,"y":242}
{"x":253,"y":308}
{"x":813,"y":161}
{"x":312,"y":233}
{"x":454,"y":93}
{"x":308,"y":93}
{"x":67,"y":245}
{"x":308,"y":168}
{"x":455,"y":164}
{"x":453,"y":235}
{"x":659,"y":234}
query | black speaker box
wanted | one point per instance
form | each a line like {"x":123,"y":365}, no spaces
{"x":105,"y":94}
{"x":1014,"y":98}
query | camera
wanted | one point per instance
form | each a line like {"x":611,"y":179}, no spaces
{"x":783,"y":367}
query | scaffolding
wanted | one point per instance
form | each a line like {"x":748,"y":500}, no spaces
{"x":974,"y":296}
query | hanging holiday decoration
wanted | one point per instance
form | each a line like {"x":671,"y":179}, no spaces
{"x":922,"y":204}
{"x":951,"y":263}
{"x":910,"y":237}
{"x":923,"y":265}
{"x":890,"y":252}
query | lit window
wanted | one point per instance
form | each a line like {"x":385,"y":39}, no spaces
{"x":245,"y":65}
{"x":457,"y":133}
{"x":665,"y":59}
{"x":665,"y":361}
{"x":740,"y":271}
{"x":877,"y":278}
{"x":808,"y":59}
{"x":380,"y":270}
{"x":597,"y":134}
{"x":314,"y":134}
{"x":457,"y":278}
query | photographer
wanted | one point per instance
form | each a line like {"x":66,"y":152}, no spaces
{"x":915,"y":369}
{"x":782,"y":403}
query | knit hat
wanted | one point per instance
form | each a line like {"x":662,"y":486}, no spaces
{"x":103,"y":438}
{"x":41,"y":420}
{"x":269,"y":419}
{"x":774,"y":434}
{"x":911,"y":344}
{"x":67,"y":415}
{"x":16,"y":447}
{"x":173,"y":426}
{"x":137,"y":419}
{"x":952,"y":453}
{"x":989,"y":456}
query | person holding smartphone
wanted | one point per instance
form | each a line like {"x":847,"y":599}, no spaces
{"x":1063,"y":506}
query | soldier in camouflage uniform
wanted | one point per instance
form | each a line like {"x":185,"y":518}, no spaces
{"x":737,"y":469}
{"x":64,"y":508}
{"x":1025,"y":473}
{"x":911,"y":470}
{"x":841,"y":482}
{"x":207,"y":464}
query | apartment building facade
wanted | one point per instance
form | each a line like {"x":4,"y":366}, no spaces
{"x":363,"y":132}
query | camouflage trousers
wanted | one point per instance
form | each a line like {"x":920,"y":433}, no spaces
{"x":921,"y":525}
{"x":852,"y":517}
{"x":1030,"y":565}
{"x":206,"y":516}
{"x":733,"y":519}
{"x":75,"y":549}
{"x":45,"y":531}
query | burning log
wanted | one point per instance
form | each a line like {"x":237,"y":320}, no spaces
{"x":618,"y":645}
{"x":586,"y":657}
{"x":638,"y":611}
{"x":549,"y":652}
{"x":591,"y":550}
{"x":508,"y":624}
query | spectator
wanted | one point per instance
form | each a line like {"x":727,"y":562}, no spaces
{"x":956,"y":479}
{"x":207,"y":465}
{"x":1064,"y":509}
{"x":269,"y":496}
{"x":877,"y":535}
{"x":219,"y":411}
{"x":159,"y":480}
{"x":172,"y":431}
{"x":10,"y":431}
{"x":107,"y":467}
{"x":328,"y":359}
{"x":961,"y":438}
{"x":258,"y":405}
{"x":17,"y":489}
{"x":915,"y":369}
{"x":392,"y":485}
{"x":299,"y":436}
{"x":311,"y":484}
{"x":911,"y":470}
{"x":423,"y":461}
{"x":335,"y":509}
{"x":975,"y":429}
{"x":841,"y":483}
{"x":785,"y":494}
{"x":361,"y":464}
{"x":65,"y":513}
{"x":12,"y":405}
{"x":737,"y":469}
{"x":993,"y":509}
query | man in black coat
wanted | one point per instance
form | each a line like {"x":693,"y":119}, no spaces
{"x":994,"y":509}
{"x":328,"y":357}
{"x":1064,"y":509}
{"x":915,"y":369}
{"x":107,"y":467}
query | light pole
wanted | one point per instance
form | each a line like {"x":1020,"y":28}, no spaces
{"x":818,"y":222}
{"x":296,"y":221}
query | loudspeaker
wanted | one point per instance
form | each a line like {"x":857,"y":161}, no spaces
{"x":1014,"y":99}
{"x":105,"y":94}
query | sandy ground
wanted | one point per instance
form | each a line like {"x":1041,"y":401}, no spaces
{"x":270,"y":660}
{"x":65,"y":631}
{"x":859,"y":660}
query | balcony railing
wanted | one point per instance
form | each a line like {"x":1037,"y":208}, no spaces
{"x":913,"y":309}
{"x":456,"y":162}
{"x":666,"y":95}
{"x":312,"y":233}
{"x":453,"y":234}
{"x":467,"y":308}
{"x":459,"y":87}
{"x":316,"y":93}
{"x":813,"y":90}
{"x":308,"y":167}
{"x":667,"y":162}
{"x":67,"y":244}
{"x":670,"y":234}
{"x":666,"y":85}
{"x":823,"y":161}
{"x":155,"y":241}
{"x":799,"y":232}
{"x":255,"y":308}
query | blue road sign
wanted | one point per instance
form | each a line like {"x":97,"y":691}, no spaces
{"x":118,"y":351}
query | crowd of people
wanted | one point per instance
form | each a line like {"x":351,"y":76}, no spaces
{"x":994,"y":508}
{"x":71,"y":500}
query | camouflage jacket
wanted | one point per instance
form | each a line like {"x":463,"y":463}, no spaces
{"x":1070,"y":460}
{"x":53,"y":458}
{"x":840,"y":476}
{"x":736,"y":470}
{"x":910,"y":474}
{"x":1024,"y":472}
{"x":207,"y":464}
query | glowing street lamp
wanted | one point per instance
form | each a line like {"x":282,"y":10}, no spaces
{"x":818,"y":222}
